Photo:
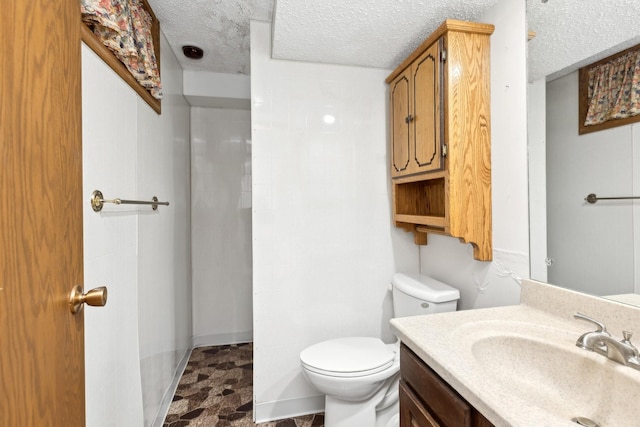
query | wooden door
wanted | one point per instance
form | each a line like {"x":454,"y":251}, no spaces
{"x":400,"y":107}
{"x":426,"y":135}
{"x":41,"y":342}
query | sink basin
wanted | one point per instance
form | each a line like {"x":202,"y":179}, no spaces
{"x":543,"y":368}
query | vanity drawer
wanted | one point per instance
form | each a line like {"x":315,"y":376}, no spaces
{"x":442,"y":403}
{"x":412,"y":411}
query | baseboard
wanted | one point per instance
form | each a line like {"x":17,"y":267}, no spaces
{"x":171,"y":391}
{"x":281,"y":409}
{"x":222,"y":339}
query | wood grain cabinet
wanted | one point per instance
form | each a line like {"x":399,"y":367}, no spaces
{"x":426,"y":400}
{"x":441,"y":137}
{"x":416,"y":115}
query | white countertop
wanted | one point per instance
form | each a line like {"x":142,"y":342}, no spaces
{"x":445,"y":342}
{"x":633,"y":299}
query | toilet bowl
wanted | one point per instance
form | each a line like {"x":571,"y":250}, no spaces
{"x":359,"y":375}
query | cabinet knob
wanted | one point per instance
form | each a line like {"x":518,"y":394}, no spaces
{"x":408,"y":119}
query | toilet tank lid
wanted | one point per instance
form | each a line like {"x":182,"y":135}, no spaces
{"x":424,"y":287}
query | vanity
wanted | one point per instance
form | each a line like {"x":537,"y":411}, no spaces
{"x":517,"y":365}
{"x":427,"y":400}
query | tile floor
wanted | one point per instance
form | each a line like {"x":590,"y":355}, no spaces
{"x":216,"y":389}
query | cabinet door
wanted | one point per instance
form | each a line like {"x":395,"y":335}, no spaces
{"x":400,"y":106}
{"x":412,"y":412}
{"x":426,"y":120}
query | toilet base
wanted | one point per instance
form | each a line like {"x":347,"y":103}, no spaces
{"x":344,"y":413}
{"x":394,"y":421}
{"x":350,"y":414}
{"x":389,"y":417}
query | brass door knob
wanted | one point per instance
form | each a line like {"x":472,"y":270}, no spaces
{"x":95,"y":297}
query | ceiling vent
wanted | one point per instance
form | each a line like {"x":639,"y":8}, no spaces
{"x":192,"y":52}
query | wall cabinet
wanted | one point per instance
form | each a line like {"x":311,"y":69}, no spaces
{"x":415,"y":120}
{"x":441,"y":137}
{"x":426,"y":400}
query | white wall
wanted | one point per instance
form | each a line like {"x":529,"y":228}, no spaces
{"x":164,"y":240}
{"x":488,"y":284}
{"x":217,"y":90}
{"x":133,"y":345}
{"x":324,"y":249}
{"x":591,"y":245}
{"x":536,"y":137}
{"x":112,"y":361}
{"x":221,"y":226}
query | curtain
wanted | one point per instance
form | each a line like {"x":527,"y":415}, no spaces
{"x":614,"y":89}
{"x":125,"y":28}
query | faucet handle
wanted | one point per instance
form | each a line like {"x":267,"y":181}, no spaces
{"x":632,"y":359}
{"x":626,"y":339}
{"x":599,"y":325}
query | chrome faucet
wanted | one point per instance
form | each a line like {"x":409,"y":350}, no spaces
{"x":601,"y":342}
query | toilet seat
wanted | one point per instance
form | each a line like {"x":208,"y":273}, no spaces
{"x":348,"y":357}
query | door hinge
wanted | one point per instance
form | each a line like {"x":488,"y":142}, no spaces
{"x":443,"y":55}
{"x":444,"y":150}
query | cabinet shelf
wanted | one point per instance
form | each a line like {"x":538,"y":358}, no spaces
{"x":421,"y":202}
{"x":432,"y":222}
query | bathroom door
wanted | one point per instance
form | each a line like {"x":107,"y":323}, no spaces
{"x":41,"y":342}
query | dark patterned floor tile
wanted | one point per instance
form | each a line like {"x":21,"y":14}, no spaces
{"x":216,"y":389}
{"x":171,"y":418}
{"x":246,"y":407}
{"x":197,"y":397}
{"x":192,"y":414}
{"x":234,"y":416}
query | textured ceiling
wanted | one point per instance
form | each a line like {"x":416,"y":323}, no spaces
{"x":220,"y":27}
{"x":373,"y":33}
{"x":381,"y":33}
{"x":574,"y":33}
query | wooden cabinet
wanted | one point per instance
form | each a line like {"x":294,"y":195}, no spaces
{"x":441,"y":137}
{"x":417,"y":137}
{"x":426,"y":400}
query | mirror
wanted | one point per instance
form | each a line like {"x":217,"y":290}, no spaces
{"x":591,"y":248}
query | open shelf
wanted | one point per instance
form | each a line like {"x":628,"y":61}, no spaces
{"x":421,"y":202}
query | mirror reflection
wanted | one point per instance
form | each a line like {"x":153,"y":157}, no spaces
{"x":592,"y":248}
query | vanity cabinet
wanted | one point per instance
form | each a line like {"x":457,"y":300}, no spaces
{"x":426,"y":400}
{"x":441,"y":137}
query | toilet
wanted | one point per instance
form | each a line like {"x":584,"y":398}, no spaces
{"x":359,"y":375}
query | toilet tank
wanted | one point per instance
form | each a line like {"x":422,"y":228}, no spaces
{"x":417,"y":294}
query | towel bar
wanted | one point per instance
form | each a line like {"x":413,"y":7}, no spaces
{"x":98,"y":201}
{"x":592,"y":198}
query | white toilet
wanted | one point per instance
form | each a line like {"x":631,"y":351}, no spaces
{"x":359,"y":375}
